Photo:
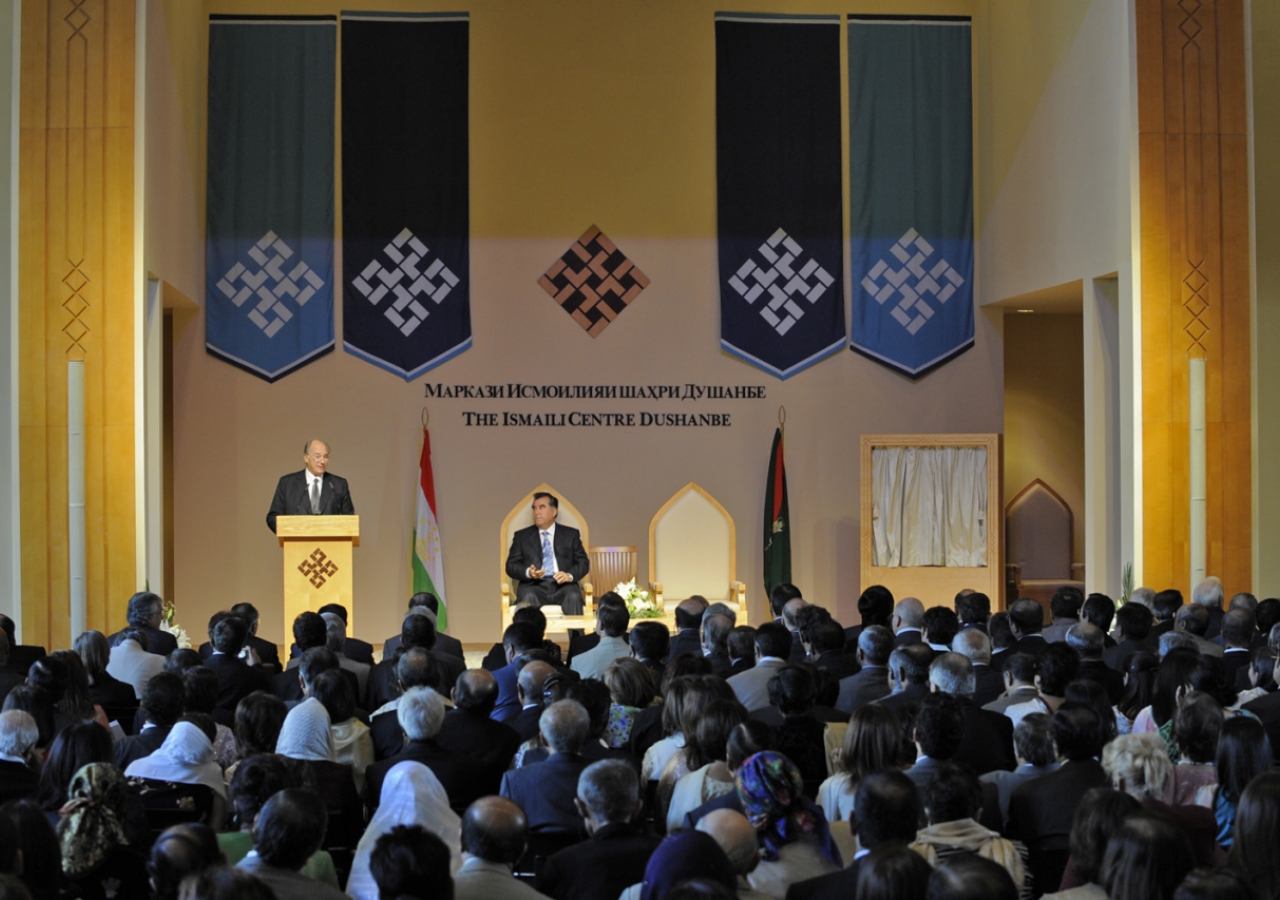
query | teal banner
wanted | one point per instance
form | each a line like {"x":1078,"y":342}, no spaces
{"x":911,"y":189}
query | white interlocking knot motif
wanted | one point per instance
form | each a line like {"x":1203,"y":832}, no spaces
{"x":408,"y":278}
{"x":913,"y":281}
{"x":270,"y":283}
{"x":786,"y":277}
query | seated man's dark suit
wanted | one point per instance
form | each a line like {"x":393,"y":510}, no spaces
{"x":1098,"y":671}
{"x":455,"y":771}
{"x":869,"y":685}
{"x":140,"y":745}
{"x":685,"y":640}
{"x":288,"y":684}
{"x":490,"y":744}
{"x":388,"y":739}
{"x":545,"y":791}
{"x":912,"y":693}
{"x":613,"y":859}
{"x":268,"y":653}
{"x":1041,"y":811}
{"x":646,"y":730}
{"x":450,"y":646}
{"x":571,"y":558}
{"x":158,"y":642}
{"x":906,"y":637}
{"x":291,"y":498}
{"x":236,"y":679}
{"x":18,"y":781}
{"x":988,"y":684}
{"x":1034,"y":644}
{"x":988,"y":739}
{"x":838,"y":663}
{"x":720,"y":664}
{"x":384,"y":682}
{"x":353,"y":649}
{"x":1118,"y":656}
{"x":525,"y":723}
{"x":1233,"y":659}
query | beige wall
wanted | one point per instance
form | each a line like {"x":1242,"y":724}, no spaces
{"x":1044,"y":410}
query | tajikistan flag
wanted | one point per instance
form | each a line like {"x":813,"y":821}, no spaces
{"x":428,"y":565}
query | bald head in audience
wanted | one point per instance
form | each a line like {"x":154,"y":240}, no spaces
{"x":736,"y":836}
{"x":909,"y":613}
{"x":529,"y":684}
{"x":972,"y":644}
{"x":476,"y":691}
{"x":790,"y":611}
{"x":564,"y":726}
{"x":494,"y":830}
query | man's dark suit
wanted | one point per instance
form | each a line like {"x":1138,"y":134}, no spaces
{"x":720,"y":664}
{"x":455,"y":771}
{"x":571,"y":558}
{"x":1118,"y":656}
{"x":906,"y":637}
{"x":1041,"y":811}
{"x":353,"y":649}
{"x":1158,"y":629}
{"x":839,"y":664}
{"x":1267,"y":709}
{"x":988,"y":739}
{"x":835,"y":886}
{"x":1112,"y":681}
{"x":868,"y":685}
{"x":988,"y":684}
{"x":525,"y":723}
{"x":450,"y":646}
{"x":288,"y":684}
{"x":1233,"y":660}
{"x":268,"y":653}
{"x":545,"y":792}
{"x":140,"y":745}
{"x":739,"y":666}
{"x":603,"y":866}
{"x":236,"y":679}
{"x":17,"y":781}
{"x":490,"y":744}
{"x":291,"y":497}
{"x":912,"y":693}
{"x":384,"y":681}
{"x":388,"y":739}
{"x":159,"y":642}
{"x":1032,"y":644}
{"x":685,"y":640}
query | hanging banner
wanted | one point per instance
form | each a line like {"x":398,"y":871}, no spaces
{"x":269,"y":247}
{"x":911,"y":189}
{"x":778,"y":185}
{"x":406,"y":303}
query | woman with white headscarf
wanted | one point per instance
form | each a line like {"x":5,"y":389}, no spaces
{"x":411,"y":795}
{"x":307,"y":738}
{"x":186,"y":757}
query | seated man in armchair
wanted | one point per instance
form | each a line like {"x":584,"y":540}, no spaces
{"x":548,"y":560}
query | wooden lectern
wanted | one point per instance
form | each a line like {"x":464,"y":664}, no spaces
{"x":317,"y":564}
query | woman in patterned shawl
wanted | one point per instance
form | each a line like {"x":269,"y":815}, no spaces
{"x":96,"y":856}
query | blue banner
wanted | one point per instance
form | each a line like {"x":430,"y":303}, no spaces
{"x":911,"y":189}
{"x":269,"y":249}
{"x":779,"y":204}
{"x":406,"y":248}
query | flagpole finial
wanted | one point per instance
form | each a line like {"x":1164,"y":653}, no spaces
{"x":782,"y":417}
{"x":426,"y":416}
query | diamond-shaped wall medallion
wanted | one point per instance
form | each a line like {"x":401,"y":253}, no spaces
{"x":593,"y":281}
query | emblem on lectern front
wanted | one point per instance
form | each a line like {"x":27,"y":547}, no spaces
{"x":318,"y":568}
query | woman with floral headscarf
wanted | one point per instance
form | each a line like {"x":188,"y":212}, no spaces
{"x":97,"y":858}
{"x":795,"y":842}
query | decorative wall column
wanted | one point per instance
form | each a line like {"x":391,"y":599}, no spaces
{"x":76,"y":302}
{"x":1194,"y":209}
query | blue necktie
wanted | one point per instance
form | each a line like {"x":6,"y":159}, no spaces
{"x":548,"y":559}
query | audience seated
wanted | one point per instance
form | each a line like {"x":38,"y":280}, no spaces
{"x":288,"y":831}
{"x":426,"y":603}
{"x":106,"y":691}
{"x":225,"y":883}
{"x":1243,"y":754}
{"x":651,"y":645}
{"x":182,"y":774}
{"x":1003,"y":643}
{"x":1133,"y":635}
{"x":520,"y":637}
{"x":908,"y":675}
{"x":200,"y":695}
{"x":1088,"y":640}
{"x":969,"y":877}
{"x":411,"y":861}
{"x":1064,"y":610}
{"x":32,"y":848}
{"x":1257,"y":834}
{"x":682,"y":857}
{"x":415,"y":668}
{"x":74,"y":748}
{"x":988,"y":736}
{"x":632,"y":689}
{"x":18,"y":735}
{"x":413,"y":797}
{"x":655,"y":734}
{"x":307,"y":740}
{"x":97,"y":858}
{"x":530,"y":681}
{"x":1147,"y":856}
{"x":494,"y":837}
{"x":259,"y":718}
{"x":715,"y":631}
{"x":974,"y":645}
{"x":130,"y":662}
{"x":875,"y":644}
{"x":741,"y":647}
{"x":612,"y":620}
{"x":1035,"y":754}
{"x":145,"y":613}
{"x":163,"y":703}
{"x":892,"y":871}
{"x":24,"y":698}
{"x":705,"y":757}
{"x":688,"y":620}
{"x":467,"y":729}
{"x":237,"y":679}
{"x":1057,"y":666}
{"x":10,"y":679}
{"x":545,"y":790}
{"x":1026,"y":624}
{"x":21,"y":656}
{"x":179,"y":852}
{"x":1099,"y":815}
{"x":421,"y":714}
{"x":352,"y":740}
{"x":617,"y":848}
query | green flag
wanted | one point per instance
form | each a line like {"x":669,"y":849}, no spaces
{"x":777,"y":520}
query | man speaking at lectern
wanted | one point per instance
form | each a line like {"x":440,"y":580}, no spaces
{"x":548,"y":560}
{"x":313,"y":491}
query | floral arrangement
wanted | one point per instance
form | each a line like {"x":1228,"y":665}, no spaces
{"x":179,"y":633}
{"x":640,"y":604}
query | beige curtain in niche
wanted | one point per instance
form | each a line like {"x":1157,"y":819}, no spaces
{"x":929,"y":506}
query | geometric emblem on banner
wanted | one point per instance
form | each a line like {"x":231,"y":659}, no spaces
{"x":409,"y":278}
{"x":318,"y":568}
{"x":270,"y":283}
{"x":913,"y":281}
{"x":593,"y":281}
{"x":785,"y":276}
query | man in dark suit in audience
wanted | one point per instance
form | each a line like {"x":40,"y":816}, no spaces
{"x":546,"y":790}
{"x":741,"y":645}
{"x":773,"y":646}
{"x":520,"y":637}
{"x":887,"y":803}
{"x":145,"y":613}
{"x":1237,"y":640}
{"x":1064,"y":610}
{"x":236,"y":678}
{"x":18,"y":735}
{"x":715,"y":642}
{"x":827,"y":640}
{"x":1019,"y":683}
{"x":1041,"y":810}
{"x":415,"y":668}
{"x":975,"y":646}
{"x":938,"y":732}
{"x":973,"y":609}
{"x":688,"y":622}
{"x":268,"y":655}
{"x":533,"y":675}
{"x":163,"y":701}
{"x":444,"y":643}
{"x":617,"y":851}
{"x":1164,"y":606}
{"x":875,"y":607}
{"x":468,"y":729}
{"x":908,"y":617}
{"x":988,"y":736}
{"x":1267,"y":709}
{"x":1133,"y":633}
{"x":417,"y":631}
{"x":1087,"y":640}
{"x":875,"y":643}
{"x":908,"y":676}
{"x":1026,"y":621}
{"x":792,"y":616}
{"x":421,"y":714}
{"x":21,"y":656}
{"x":291,"y":685}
